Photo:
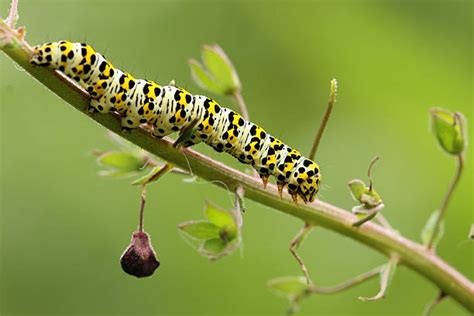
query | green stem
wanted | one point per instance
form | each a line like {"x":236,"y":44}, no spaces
{"x":327,"y":115}
{"x":447,"y":198}
{"x":388,"y":242}
{"x":347,"y":284}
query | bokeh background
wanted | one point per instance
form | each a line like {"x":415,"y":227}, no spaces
{"x":63,"y":228}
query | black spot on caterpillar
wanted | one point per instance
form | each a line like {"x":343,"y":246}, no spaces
{"x":171,"y":109}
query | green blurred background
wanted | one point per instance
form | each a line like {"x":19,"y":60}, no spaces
{"x":63,"y":228}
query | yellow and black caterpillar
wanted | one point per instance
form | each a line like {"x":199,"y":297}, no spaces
{"x":169,"y":109}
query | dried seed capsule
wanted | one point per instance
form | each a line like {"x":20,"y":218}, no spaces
{"x":139,"y":259}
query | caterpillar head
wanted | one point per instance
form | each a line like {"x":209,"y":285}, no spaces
{"x":43,"y":54}
{"x":307,"y":177}
{"x":310,"y":187}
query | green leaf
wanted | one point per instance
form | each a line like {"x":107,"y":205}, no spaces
{"x":449,"y":128}
{"x":218,"y":75}
{"x":213,"y":246}
{"x":122,"y":161}
{"x":222,"y":219}
{"x":200,"y":229}
{"x":363,"y":194}
{"x":203,"y":79}
{"x":289,"y":286}
{"x":357,"y":188}
{"x":221,"y":68}
{"x":428,"y":230}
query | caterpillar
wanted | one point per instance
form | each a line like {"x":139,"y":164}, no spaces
{"x":168,"y":109}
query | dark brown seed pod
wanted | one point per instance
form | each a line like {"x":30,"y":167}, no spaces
{"x":139,"y":259}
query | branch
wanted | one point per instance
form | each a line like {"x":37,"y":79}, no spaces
{"x":411,"y":254}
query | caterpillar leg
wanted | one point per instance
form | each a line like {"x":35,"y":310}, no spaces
{"x":280,"y":186}
{"x":130,"y":122}
{"x":264,"y":180}
{"x":99,"y":105}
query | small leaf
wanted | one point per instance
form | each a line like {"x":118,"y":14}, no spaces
{"x":222,"y":219}
{"x":289,"y":287}
{"x":449,"y":128}
{"x":122,"y":161}
{"x":200,"y":229}
{"x":203,"y":79}
{"x":428,"y":230}
{"x":357,"y":188}
{"x":213,"y":246}
{"x":218,"y":75}
{"x":221,"y":68}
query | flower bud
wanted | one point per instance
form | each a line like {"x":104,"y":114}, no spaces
{"x":449,"y":129}
{"x":139,"y":259}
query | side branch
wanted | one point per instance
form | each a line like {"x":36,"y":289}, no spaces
{"x":388,"y":242}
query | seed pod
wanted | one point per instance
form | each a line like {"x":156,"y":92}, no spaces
{"x":139,"y":259}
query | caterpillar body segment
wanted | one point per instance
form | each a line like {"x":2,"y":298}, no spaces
{"x":169,"y":109}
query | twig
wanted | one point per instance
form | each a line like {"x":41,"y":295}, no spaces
{"x":385,"y":277}
{"x":447,"y":197}
{"x":347,"y":284}
{"x":295,"y":243}
{"x":327,"y":115}
{"x":325,"y":215}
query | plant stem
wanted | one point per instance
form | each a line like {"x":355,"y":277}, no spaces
{"x":385,"y":277}
{"x":447,"y":198}
{"x":388,"y":242}
{"x":142,"y":209}
{"x":295,"y":243}
{"x":327,"y":115}
{"x":241,"y":103}
{"x":347,"y":284}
